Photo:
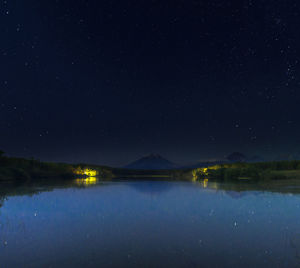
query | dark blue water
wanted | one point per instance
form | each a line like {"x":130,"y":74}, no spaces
{"x":149,"y":224}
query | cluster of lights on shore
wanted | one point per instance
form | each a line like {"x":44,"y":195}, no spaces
{"x":91,"y":176}
{"x":203,"y":173}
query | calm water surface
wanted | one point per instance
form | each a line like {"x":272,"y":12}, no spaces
{"x":149,"y":224}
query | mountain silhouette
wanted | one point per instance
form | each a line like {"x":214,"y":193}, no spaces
{"x":152,"y":161}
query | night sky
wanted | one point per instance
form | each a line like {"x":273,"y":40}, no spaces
{"x":107,"y":82}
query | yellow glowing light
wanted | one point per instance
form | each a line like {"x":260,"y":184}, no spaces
{"x":87,"y":181}
{"x":194,"y":172}
{"x":205,"y":183}
{"x":90,"y":172}
{"x":203,"y":172}
{"x":87,"y":171}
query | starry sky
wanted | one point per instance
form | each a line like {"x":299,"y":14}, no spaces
{"x":109,"y":81}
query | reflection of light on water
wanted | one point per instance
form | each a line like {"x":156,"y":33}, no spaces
{"x":205,"y":183}
{"x":214,"y":185}
{"x":87,"y":181}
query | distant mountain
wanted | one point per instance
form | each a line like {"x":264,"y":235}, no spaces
{"x":152,"y":161}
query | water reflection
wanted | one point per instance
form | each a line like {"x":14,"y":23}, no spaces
{"x":89,"y":181}
{"x":148,"y":187}
{"x":115,"y":224}
{"x":235,"y":189}
{"x":151,"y":188}
{"x":205,"y":183}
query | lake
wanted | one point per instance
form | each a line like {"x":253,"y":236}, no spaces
{"x":89,"y":223}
